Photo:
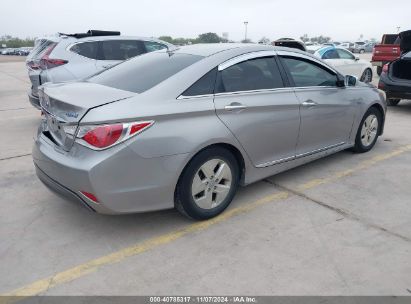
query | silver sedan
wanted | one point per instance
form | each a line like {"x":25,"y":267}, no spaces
{"x":186,"y":127}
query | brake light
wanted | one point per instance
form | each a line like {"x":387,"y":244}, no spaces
{"x":46,"y":62}
{"x":98,"y":137}
{"x":385,"y":68}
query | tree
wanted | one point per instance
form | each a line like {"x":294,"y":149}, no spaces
{"x":208,"y":38}
{"x":305,"y":38}
{"x":168,"y":39}
{"x":264,"y":40}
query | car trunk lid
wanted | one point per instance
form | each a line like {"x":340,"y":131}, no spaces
{"x":65,"y":104}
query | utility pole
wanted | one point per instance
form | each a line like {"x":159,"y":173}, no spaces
{"x":398,"y":29}
{"x":245,"y":35}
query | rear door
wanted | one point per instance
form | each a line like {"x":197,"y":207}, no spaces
{"x":327,"y":113}
{"x":112,"y":52}
{"x":253,"y":102}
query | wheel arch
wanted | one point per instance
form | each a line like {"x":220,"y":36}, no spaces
{"x":381,"y":110}
{"x":231,"y":148}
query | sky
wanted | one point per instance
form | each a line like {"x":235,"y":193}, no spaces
{"x":341,"y":20}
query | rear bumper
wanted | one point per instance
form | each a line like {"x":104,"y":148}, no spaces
{"x":395,"y":89}
{"x":377,"y":63}
{"x":60,"y":189}
{"x":122,"y":181}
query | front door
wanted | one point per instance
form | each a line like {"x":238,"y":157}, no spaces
{"x":327,"y":111}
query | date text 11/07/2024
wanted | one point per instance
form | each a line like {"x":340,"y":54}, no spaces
{"x":203,"y":299}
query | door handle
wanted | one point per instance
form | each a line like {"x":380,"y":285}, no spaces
{"x":309,"y":103}
{"x":235,"y":106}
{"x":107,"y":66}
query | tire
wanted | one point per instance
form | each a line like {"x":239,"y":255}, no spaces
{"x":379,"y":70}
{"x":201,"y":193}
{"x":368,"y":132}
{"x":392,"y":102}
{"x":366,"y":75}
{"x":362,"y":51}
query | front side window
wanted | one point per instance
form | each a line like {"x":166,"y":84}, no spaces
{"x":120,"y":49}
{"x":152,"y":46}
{"x":344,"y":54}
{"x":254,"y":74}
{"x":331,"y":54}
{"x":306,"y":73}
{"x":86,"y":49}
{"x":144,"y":72}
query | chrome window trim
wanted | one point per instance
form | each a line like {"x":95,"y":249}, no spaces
{"x":254,"y":91}
{"x":286,"y":159}
{"x":182,"y":97}
{"x":310,"y":58}
{"x":245,"y":57}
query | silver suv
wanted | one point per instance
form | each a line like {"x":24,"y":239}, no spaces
{"x":77,"y":56}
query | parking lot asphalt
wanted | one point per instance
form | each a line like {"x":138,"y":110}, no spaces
{"x":337,"y":226}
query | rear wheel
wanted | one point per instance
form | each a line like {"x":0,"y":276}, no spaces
{"x":366,"y":76}
{"x":362,"y":51}
{"x":393,"y":101}
{"x":208,"y":184}
{"x":368,"y":131}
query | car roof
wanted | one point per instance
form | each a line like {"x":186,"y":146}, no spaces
{"x":209,"y":49}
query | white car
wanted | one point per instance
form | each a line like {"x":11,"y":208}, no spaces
{"x":346,"y":62}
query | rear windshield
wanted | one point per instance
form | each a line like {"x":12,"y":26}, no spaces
{"x":144,"y":72}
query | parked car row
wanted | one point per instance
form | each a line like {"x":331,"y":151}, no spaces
{"x":340,"y":58}
{"x":354,"y":47}
{"x":183,"y":127}
{"x":23,"y":51}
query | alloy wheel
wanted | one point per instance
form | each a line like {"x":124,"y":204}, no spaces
{"x":369,"y":130}
{"x":211,"y":184}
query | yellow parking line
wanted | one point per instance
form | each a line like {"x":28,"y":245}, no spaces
{"x":81,"y":270}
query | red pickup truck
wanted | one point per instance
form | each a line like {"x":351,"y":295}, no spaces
{"x":387,"y":51}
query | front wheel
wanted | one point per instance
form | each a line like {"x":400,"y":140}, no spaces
{"x":208,"y":184}
{"x":368,"y":131}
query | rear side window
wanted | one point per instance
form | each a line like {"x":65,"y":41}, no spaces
{"x":152,"y":46}
{"x":86,"y":49}
{"x":144,"y":72}
{"x":120,"y":49}
{"x":305,"y":73}
{"x":203,"y":86}
{"x":254,"y":74}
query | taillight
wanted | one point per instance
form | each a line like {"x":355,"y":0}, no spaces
{"x":385,"y":68}
{"x":46,"y":62}
{"x":98,"y":137}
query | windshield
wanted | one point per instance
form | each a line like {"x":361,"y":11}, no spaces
{"x":144,"y":72}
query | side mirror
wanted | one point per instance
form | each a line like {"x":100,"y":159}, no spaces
{"x":357,"y":58}
{"x":350,"y":81}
